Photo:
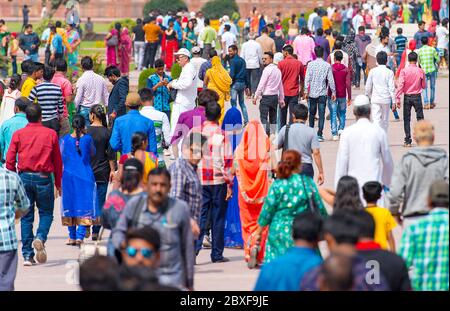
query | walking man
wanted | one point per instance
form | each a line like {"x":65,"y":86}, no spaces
{"x":240,"y":84}
{"x":428,"y":58}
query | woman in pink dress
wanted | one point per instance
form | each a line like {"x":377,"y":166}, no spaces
{"x":112,"y":45}
{"x":124,"y":52}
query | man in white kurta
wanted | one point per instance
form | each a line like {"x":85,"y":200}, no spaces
{"x":381,"y":89}
{"x":363,"y":149}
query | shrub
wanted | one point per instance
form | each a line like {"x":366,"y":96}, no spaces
{"x":215,"y":9}
{"x":163,"y":6}
{"x":143,"y":76}
{"x":125,"y":22}
{"x":175,"y":71}
{"x":285,"y":25}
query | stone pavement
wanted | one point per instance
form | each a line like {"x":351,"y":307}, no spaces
{"x":57,"y":273}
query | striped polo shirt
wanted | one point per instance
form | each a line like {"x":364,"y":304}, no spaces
{"x":49,"y":96}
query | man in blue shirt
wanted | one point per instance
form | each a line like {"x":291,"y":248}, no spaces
{"x":286,"y":272}
{"x":421,"y":33}
{"x":238,"y":74}
{"x":56,"y":47}
{"x":10,"y":126}
{"x":125,"y":126}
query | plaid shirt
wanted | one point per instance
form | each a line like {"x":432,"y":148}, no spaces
{"x":12,"y":197}
{"x":186,"y":185}
{"x":424,"y":246}
{"x":217,"y":160}
{"x":428,"y":58}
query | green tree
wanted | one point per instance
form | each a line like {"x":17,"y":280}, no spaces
{"x":215,"y":9}
{"x":164,"y":6}
{"x":55,"y":4}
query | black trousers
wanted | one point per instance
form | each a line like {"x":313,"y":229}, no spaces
{"x":52,"y":124}
{"x":206,"y":50}
{"x":149,"y":54}
{"x":254,"y":75}
{"x":290,"y":102}
{"x":409,"y":102}
{"x":268,"y":112}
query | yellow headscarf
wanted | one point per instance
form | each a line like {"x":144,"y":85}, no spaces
{"x":219,"y":76}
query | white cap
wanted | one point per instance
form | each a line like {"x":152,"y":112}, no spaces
{"x":184,"y":52}
{"x":225,"y":18}
{"x":278,"y":57}
{"x":361,"y":100}
{"x":196,"y":50}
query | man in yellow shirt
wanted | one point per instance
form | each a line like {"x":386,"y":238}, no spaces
{"x":330,"y":38}
{"x":36,"y":72}
{"x":152,"y":32}
{"x":384,"y":221}
{"x":326,"y":23}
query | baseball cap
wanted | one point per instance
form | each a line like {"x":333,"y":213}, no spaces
{"x":361,"y":100}
{"x":196,"y":50}
{"x":184,"y":52}
{"x":439,"y":192}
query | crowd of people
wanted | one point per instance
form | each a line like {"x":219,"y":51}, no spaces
{"x":187,"y":174}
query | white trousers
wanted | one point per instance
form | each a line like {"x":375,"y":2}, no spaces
{"x":380,"y":115}
{"x":177,"y":109}
{"x":139,"y":50}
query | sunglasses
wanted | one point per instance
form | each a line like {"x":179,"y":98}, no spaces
{"x":145,"y":252}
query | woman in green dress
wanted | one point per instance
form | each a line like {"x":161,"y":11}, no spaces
{"x":74,"y":40}
{"x":288,"y":196}
{"x":189,"y":36}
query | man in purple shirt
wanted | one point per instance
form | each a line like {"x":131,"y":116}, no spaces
{"x":320,"y":40}
{"x":192,"y":118}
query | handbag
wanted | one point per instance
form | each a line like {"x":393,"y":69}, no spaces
{"x":88,"y":250}
{"x":113,"y":41}
{"x":312,"y":206}
{"x":286,"y":137}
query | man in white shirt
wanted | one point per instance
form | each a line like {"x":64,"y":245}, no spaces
{"x":357,"y":21}
{"x":380,"y":88}
{"x":251,"y":52}
{"x":186,"y":85}
{"x":442,"y":40}
{"x":200,"y":23}
{"x":330,"y":11}
{"x":363,"y":149}
{"x":377,"y":9}
{"x":228,"y":39}
{"x":226,"y":21}
{"x":197,"y":61}
{"x":311,"y":18}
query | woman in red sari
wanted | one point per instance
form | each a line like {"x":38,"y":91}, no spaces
{"x":124,"y":52}
{"x":170,"y":45}
{"x":252,"y":171}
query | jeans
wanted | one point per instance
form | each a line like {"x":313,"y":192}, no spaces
{"x":102,"y":189}
{"x":84,"y":112}
{"x":14,"y":64}
{"x":436,"y":16}
{"x":254,"y":75}
{"x":237,"y":90}
{"x":409,"y":102}
{"x":77,"y":232}
{"x":39,"y":189}
{"x":430,"y":88}
{"x":358,"y":74}
{"x":214,"y":201}
{"x":8,"y":269}
{"x":290,"y":102}
{"x":33,"y":57}
{"x":139,"y":52}
{"x":338,"y":109}
{"x":268,"y":112}
{"x":321,"y":102}
{"x":150,"y":53}
{"x":307,"y":170}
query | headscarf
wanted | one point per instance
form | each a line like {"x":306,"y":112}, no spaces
{"x":125,"y":40}
{"x":404,"y":59}
{"x":220,"y":77}
{"x":252,"y":156}
{"x":232,"y":124}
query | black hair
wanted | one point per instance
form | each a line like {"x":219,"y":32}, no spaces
{"x":194,"y":138}
{"x":146,"y":233}
{"x":87,"y":63}
{"x":118,"y":26}
{"x":112,"y":71}
{"x":307,"y":226}
{"x":133,"y":169}
{"x":139,"y":21}
{"x":399,"y":30}
{"x":339,"y":56}
{"x":14,"y":82}
{"x":36,"y":67}
{"x":58,"y":24}
{"x":159,"y":63}
{"x":319,"y":32}
{"x":227,"y":27}
{"x":160,"y":171}
{"x":372,"y":191}
{"x":61,"y":65}
{"x":288,"y":49}
{"x":382,"y":21}
{"x":335,"y":33}
{"x":328,"y":31}
{"x":304,"y":31}
{"x":385,"y":31}
{"x":99,"y":112}
{"x":233,"y":47}
{"x":424,"y":40}
{"x":26,"y":66}
{"x":362,"y":111}
{"x":300,"y":112}
{"x":78,"y":124}
{"x":99,"y":273}
{"x":412,"y":57}
{"x":347,"y":195}
{"x":49,"y":72}
{"x":22,"y":103}
{"x":213,"y":111}
{"x":206,"y":21}
{"x":28,"y":26}
{"x":444,"y":22}
{"x":264,"y":30}
{"x":337,"y":45}
{"x":382,"y":58}
{"x":336,"y":273}
{"x":212,"y":53}
{"x":207,"y":96}
{"x":53,"y":28}
{"x":145,"y":94}
{"x":138,"y":278}
{"x":365,"y":223}
{"x":421,"y":23}
{"x":137,"y":140}
{"x":340,"y":38}
{"x":270,"y":54}
{"x":341,"y":225}
{"x":318,"y":50}
{"x":34,"y":113}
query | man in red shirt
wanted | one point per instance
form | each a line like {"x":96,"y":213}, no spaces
{"x":35,"y":150}
{"x":293,"y":76}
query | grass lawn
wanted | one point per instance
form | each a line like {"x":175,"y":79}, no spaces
{"x":17,"y":26}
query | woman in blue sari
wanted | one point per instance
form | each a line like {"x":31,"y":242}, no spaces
{"x":79,"y":198}
{"x":232,"y":125}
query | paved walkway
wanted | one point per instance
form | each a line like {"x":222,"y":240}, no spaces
{"x":57,"y":273}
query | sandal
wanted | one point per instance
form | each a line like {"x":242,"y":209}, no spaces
{"x":71,"y":242}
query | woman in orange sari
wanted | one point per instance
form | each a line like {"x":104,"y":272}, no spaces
{"x":252,"y":162}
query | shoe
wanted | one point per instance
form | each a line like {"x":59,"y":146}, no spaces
{"x":223,"y":259}
{"x":428,"y":107}
{"x":406,"y":145}
{"x":41,"y":254}
{"x":320,"y":139}
{"x":94,"y":236}
{"x":29,"y":262}
{"x":335,"y":138}
{"x":397,"y":120}
{"x":340,"y":132}
{"x":70,"y":242}
{"x":328,"y":117}
{"x":432,"y":106}
{"x":206,"y":242}
{"x":79,"y":242}
{"x":252,"y":262}
{"x":88,"y":232}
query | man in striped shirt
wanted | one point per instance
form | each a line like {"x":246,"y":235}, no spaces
{"x":160,"y":121}
{"x":49,"y":96}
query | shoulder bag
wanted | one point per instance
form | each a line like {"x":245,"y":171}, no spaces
{"x":113,"y":41}
{"x":312,"y":206}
